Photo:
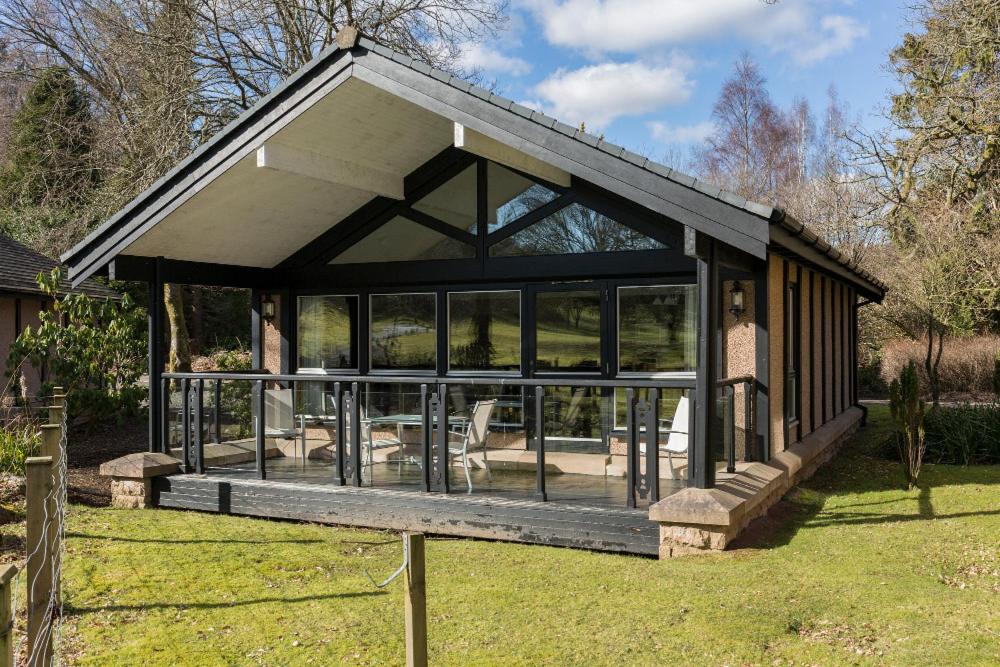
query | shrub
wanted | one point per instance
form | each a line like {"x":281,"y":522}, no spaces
{"x":968,"y":364}
{"x":908,"y":413}
{"x":964,"y":434}
{"x":19,"y":439}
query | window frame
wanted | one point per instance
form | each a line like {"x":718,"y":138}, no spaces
{"x":519,"y":290}
{"x":307,"y":370}
{"x":686,"y":375}
{"x":437,"y":337}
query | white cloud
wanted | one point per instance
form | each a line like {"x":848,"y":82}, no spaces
{"x":633,"y":26}
{"x":598,"y":94}
{"x":681,"y":134}
{"x":484,"y":58}
{"x":836,"y":35}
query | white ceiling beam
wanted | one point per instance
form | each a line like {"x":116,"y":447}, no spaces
{"x":330,"y":169}
{"x":479,"y":144}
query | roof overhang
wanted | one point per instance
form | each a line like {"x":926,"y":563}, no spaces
{"x":347,"y":128}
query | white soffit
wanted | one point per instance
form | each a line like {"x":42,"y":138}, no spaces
{"x":251,"y":216}
{"x":479,"y":144}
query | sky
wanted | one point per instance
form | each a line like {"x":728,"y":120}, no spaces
{"x":645,"y":73}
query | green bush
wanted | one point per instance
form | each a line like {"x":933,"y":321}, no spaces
{"x":964,"y":434}
{"x":19,"y":439}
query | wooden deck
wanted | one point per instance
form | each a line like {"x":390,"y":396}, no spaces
{"x":558,"y":523}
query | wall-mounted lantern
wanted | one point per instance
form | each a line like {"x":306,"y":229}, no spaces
{"x":736,"y":306}
{"x":267,"y":308}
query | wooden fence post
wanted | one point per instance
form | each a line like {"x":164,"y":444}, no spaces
{"x":41,"y":509}
{"x":416,"y":602}
{"x":7,"y":612}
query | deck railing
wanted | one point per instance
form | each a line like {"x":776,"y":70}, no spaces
{"x":730,"y":429}
{"x":641,"y":433}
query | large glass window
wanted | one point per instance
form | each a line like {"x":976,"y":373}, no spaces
{"x":568,"y":331}
{"x":574,"y":229}
{"x":328,"y":332}
{"x":657,"y":329}
{"x":454,"y":202}
{"x":404,"y":332}
{"x":511,"y":196}
{"x":401,"y":240}
{"x":484,"y":331}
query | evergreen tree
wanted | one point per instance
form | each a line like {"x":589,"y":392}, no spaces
{"x":47,"y":160}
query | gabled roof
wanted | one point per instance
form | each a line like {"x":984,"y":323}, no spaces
{"x":704,"y":207}
{"x":20,"y":266}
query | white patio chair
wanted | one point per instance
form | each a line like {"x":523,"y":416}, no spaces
{"x":280,"y":419}
{"x":473,"y":436}
{"x":677,"y":440}
{"x":368,"y":443}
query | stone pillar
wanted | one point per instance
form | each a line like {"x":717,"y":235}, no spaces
{"x":132,"y":477}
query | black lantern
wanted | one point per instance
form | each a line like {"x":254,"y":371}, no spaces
{"x":267,"y":308}
{"x":736,"y":306}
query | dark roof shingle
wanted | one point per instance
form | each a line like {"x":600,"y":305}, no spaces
{"x":20,"y":266}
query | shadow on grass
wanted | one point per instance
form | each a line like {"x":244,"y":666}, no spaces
{"x":859,"y":467}
{"x":72,"y":610}
{"x":116,"y":538}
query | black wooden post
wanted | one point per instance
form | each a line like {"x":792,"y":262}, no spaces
{"x":653,"y":445}
{"x":632,"y":450}
{"x":444,"y":462}
{"x":341,"y":434}
{"x":426,"y":436}
{"x":730,"y":428}
{"x":186,"y":425}
{"x":154,"y":323}
{"x":261,"y":426}
{"x":540,"y":493}
{"x":199,"y":427}
{"x":701,"y":456}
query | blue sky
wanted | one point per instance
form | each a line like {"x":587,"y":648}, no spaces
{"x":645,"y":73}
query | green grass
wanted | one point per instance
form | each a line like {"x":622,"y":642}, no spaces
{"x":857,"y":571}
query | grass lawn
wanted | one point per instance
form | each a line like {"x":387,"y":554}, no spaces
{"x":856,"y":571}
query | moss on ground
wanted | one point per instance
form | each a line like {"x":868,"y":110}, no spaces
{"x":850,"y":569}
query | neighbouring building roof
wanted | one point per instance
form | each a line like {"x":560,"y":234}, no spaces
{"x":20,"y":266}
{"x":732,"y":219}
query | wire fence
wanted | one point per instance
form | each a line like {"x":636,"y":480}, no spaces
{"x":46,"y":504}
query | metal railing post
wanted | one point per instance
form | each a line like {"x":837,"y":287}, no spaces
{"x":186,"y":425}
{"x":730,"y":428}
{"x":165,"y":416}
{"x":442,"y":438}
{"x":653,"y":446}
{"x":632,"y":448}
{"x":261,"y":427}
{"x":341,"y":434}
{"x":540,"y":493}
{"x":426,"y":437}
{"x":217,"y":404}
{"x":199,"y":427}
{"x":356,"y":462}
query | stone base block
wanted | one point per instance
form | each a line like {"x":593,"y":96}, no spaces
{"x":128,"y":493}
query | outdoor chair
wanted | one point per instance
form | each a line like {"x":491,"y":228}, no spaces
{"x":677,"y":440}
{"x":473,"y":436}
{"x":368,"y":443}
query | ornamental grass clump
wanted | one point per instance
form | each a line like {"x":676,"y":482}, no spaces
{"x":908,"y":411}
{"x":19,"y":439}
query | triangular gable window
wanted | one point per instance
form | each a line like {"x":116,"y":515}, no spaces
{"x":402,"y":240}
{"x":454,"y":202}
{"x":511,"y":196}
{"x":572,"y":230}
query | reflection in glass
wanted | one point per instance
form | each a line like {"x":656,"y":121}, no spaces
{"x":574,"y":229}
{"x":454,"y":202}
{"x":328,"y":332}
{"x":657,"y":329}
{"x":401,"y":240}
{"x":484,"y":331}
{"x":511,"y":196}
{"x":568,"y":331}
{"x":573,"y":419}
{"x":668,"y":406}
{"x":403,"y":331}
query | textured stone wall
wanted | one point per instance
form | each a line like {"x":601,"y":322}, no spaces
{"x":805,"y":297}
{"x":271,"y":337}
{"x":828,"y":330}
{"x":776,"y":330}
{"x":739,"y":352}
